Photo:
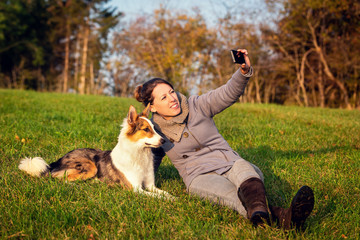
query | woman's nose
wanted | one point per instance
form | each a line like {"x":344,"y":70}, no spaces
{"x":172,"y":98}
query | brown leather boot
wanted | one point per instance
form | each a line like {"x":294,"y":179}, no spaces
{"x":252,"y":195}
{"x":300,"y":208}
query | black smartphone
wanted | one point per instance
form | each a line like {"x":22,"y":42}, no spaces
{"x":238,"y":57}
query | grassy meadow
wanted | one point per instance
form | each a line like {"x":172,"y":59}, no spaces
{"x":293,"y":146}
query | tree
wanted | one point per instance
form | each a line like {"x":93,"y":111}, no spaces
{"x":95,"y":28}
{"x":40,"y":42}
{"x":174,"y":47}
{"x":316,"y":38}
{"x":23,"y":43}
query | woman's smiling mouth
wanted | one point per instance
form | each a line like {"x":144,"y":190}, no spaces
{"x":176,"y":105}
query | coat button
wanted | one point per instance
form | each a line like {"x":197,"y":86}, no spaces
{"x":186,"y":134}
{"x":185,"y":156}
{"x":197,"y":149}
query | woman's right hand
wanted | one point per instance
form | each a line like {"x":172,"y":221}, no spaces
{"x":245,"y":67}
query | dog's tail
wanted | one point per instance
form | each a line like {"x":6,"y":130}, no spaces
{"x":36,"y":167}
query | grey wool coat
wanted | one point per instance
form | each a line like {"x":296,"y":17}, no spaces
{"x":201,"y":148}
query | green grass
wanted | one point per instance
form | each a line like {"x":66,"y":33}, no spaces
{"x":292,"y":145}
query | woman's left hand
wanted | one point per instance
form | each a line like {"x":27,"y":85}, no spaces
{"x":245,"y":67}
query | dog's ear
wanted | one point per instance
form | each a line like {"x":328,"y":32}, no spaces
{"x":146,"y":111}
{"x":132,"y":115}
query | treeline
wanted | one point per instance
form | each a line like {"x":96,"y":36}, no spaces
{"x":308,"y":56}
{"x":55,"y":45}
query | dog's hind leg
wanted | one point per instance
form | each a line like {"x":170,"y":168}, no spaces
{"x":76,"y":169}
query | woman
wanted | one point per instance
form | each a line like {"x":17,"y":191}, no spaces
{"x":205,"y":161}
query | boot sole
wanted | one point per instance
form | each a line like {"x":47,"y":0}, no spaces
{"x":301,"y":206}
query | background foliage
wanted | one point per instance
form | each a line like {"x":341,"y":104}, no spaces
{"x":307,"y":55}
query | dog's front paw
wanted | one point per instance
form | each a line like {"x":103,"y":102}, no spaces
{"x":168,"y":196}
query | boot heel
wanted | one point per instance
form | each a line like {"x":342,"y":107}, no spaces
{"x":259,"y":218}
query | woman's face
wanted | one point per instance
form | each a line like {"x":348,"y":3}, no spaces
{"x":166,"y":102}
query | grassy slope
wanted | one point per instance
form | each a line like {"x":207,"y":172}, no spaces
{"x":293,"y":146}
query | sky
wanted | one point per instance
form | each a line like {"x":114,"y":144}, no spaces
{"x":211,"y":10}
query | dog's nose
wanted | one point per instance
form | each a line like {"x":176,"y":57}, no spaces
{"x":162,"y":141}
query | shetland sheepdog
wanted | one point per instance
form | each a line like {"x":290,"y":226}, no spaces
{"x":129,"y":164}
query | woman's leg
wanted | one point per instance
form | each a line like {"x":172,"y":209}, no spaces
{"x":217,"y":189}
{"x":252,"y":194}
{"x":242,"y":189}
{"x":243,"y":170}
{"x":251,"y":191}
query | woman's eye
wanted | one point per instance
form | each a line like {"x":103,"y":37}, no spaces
{"x":146,"y":129}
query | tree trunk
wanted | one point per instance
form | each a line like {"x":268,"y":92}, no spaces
{"x":302,"y":76}
{"x":257,"y":87}
{"x":92,"y":79}
{"x":267,"y":91}
{"x":218,"y":71}
{"x":313,"y":84}
{"x":246,"y":97}
{"x":8,"y":81}
{"x":66,"y":60}
{"x":84,"y":58}
{"x":14,"y":77}
{"x":77,"y":57}
{"x":320,"y":84}
{"x":41,"y":79}
{"x":297,"y":96}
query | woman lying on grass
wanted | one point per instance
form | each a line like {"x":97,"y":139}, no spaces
{"x":205,"y":161}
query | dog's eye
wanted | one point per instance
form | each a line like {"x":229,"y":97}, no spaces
{"x":146,"y":129}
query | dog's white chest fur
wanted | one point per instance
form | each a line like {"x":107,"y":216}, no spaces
{"x":135,"y":164}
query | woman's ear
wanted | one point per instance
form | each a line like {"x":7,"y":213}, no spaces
{"x":152,"y":108}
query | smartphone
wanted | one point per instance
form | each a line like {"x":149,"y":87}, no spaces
{"x":238,"y":57}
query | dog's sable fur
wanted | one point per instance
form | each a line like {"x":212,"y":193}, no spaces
{"x":129,"y":164}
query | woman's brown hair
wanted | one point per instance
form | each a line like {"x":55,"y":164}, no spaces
{"x":143,"y":93}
